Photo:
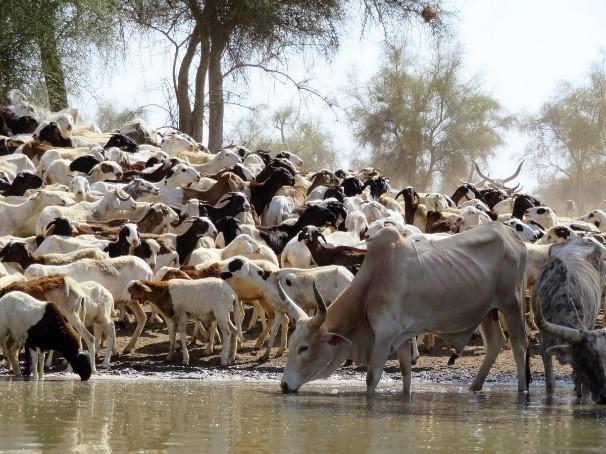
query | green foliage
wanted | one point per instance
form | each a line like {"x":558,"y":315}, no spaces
{"x":284,"y":129}
{"x":108,"y":118}
{"x":419,"y":121}
{"x":568,"y":137}
{"x":69,"y":29}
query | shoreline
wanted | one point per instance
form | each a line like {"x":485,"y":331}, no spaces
{"x":148,"y":361}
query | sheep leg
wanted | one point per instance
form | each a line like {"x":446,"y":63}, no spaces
{"x":10,"y":352}
{"x":210,"y":347}
{"x":238,"y":317}
{"x":183,"y":336}
{"x":272,"y":336}
{"x":271,"y":318}
{"x":172,"y":334}
{"x":33,"y":353}
{"x":283,"y":336}
{"x":88,"y":337}
{"x":199,"y":332}
{"x":255,"y":316}
{"x":141,"y":318}
{"x":40,"y":365}
{"x":97,"y":334}
{"x":110,"y":331}
{"x":227,"y":339}
{"x":49,"y":358}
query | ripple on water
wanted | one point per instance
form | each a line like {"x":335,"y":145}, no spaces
{"x":220,"y":416}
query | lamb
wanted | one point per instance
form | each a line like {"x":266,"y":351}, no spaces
{"x":23,"y":181}
{"x":224,"y":159}
{"x":242,"y":245}
{"x":128,"y":237}
{"x":85,"y":211}
{"x":278,"y":210}
{"x":347,"y":256}
{"x":41,"y":327}
{"x":262,"y":193}
{"x":227,"y":182}
{"x":297,"y":282}
{"x":19,"y":219}
{"x":17,"y":252}
{"x":99,"y":308}
{"x":180,"y":300}
{"x":67,"y":296}
{"x":186,"y":242}
{"x":113,"y":274}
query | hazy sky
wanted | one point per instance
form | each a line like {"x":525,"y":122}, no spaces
{"x":521,"y":50}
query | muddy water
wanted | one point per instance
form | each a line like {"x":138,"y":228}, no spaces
{"x":225,"y":416}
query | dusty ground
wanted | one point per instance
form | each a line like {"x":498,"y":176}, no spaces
{"x":149,"y":360}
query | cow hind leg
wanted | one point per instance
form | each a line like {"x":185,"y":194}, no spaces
{"x":516,"y":326}
{"x":494,"y":339}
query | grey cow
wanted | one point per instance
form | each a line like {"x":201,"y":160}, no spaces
{"x":566,"y":301}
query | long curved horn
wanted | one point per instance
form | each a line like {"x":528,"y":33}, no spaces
{"x":294,"y":312}
{"x":320,"y":316}
{"x":321,"y":235}
{"x":481,"y":174}
{"x":516,"y":173}
{"x":565,"y":333}
{"x":399,"y":193}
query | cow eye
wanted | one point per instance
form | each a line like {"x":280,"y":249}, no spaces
{"x":302,"y":349}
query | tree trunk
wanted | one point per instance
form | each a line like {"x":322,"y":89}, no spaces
{"x":182,"y":88}
{"x":215,"y":95}
{"x":52,"y":68}
{"x":197,"y":116}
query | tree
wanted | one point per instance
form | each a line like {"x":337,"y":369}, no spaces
{"x":568,"y":136}
{"x":287,"y":131}
{"x":423,"y":120}
{"x":108,"y":118}
{"x":52,"y":41}
{"x":230,"y":38}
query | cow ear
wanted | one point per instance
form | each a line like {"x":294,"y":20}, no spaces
{"x":562,"y":352}
{"x":336,"y":340}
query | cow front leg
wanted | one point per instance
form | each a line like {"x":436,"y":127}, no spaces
{"x":404,"y":358}
{"x":379,"y":356}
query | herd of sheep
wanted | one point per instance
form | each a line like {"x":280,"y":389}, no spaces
{"x":94,"y":226}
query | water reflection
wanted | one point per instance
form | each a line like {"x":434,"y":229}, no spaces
{"x":109,"y":415}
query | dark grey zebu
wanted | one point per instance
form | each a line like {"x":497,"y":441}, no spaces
{"x":566,"y":300}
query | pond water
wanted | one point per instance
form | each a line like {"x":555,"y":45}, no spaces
{"x":106,"y":415}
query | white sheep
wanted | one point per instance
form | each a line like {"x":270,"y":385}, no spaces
{"x":114,"y":274}
{"x":243,"y":244}
{"x":20,"y":219}
{"x":39,"y":326}
{"x":181,"y":300}
{"x":111,"y":203}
